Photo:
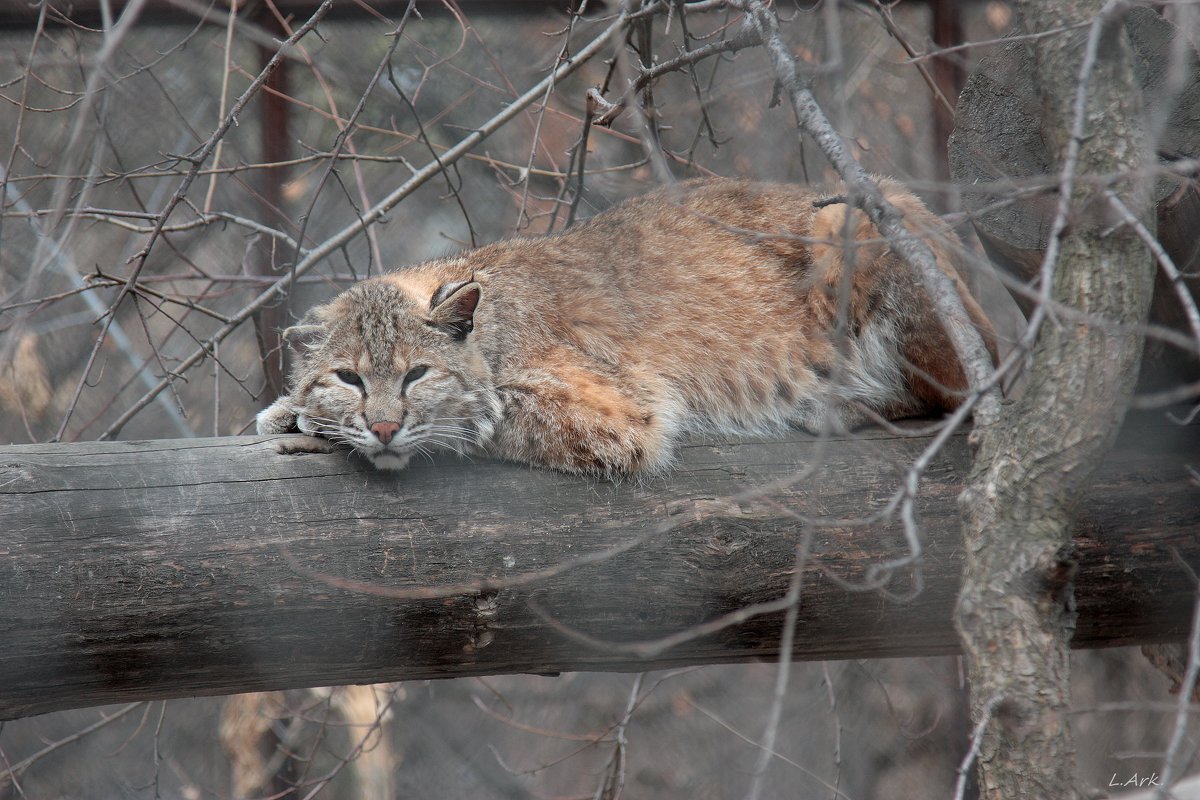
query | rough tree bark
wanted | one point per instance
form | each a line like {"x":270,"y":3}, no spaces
{"x":998,"y":145}
{"x":1016,"y":611}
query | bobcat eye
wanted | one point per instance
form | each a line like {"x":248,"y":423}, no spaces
{"x":350,"y":377}
{"x":414,"y":374}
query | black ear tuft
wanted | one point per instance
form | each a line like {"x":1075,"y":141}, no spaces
{"x":452,"y":308}
{"x":304,"y":338}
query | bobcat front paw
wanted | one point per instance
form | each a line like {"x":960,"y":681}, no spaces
{"x":305,"y":445}
{"x":276,"y":418}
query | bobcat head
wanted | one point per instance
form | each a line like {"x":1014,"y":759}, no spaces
{"x":389,"y":374}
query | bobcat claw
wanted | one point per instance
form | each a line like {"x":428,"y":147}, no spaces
{"x":278,"y":418}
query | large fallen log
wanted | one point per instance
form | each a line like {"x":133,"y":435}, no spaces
{"x":136,"y":570}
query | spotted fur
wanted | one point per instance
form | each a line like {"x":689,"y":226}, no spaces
{"x":712,"y":305}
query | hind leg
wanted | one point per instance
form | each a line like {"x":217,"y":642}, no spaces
{"x":936,"y":377}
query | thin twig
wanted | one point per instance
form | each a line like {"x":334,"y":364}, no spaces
{"x":346,"y":128}
{"x":967,"y":340}
{"x":746,"y":36}
{"x":196,"y":161}
{"x":889,"y":22}
{"x":1003,"y":40}
{"x":1165,"y":262}
{"x":964,"y":768}
{"x":229,"y":27}
{"x":784,"y":667}
{"x":614,"y":776}
{"x":1187,"y":688}
{"x":16,"y":769}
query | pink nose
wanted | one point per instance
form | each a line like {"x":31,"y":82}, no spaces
{"x":385,"y":430}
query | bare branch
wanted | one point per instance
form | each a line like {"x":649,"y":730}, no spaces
{"x":865,"y":193}
{"x":335,"y":242}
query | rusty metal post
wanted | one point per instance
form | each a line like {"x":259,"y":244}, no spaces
{"x":949,"y":76}
{"x":274,"y":146}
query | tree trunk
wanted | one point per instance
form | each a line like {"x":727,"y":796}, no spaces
{"x":1016,"y":612}
{"x":998,"y":144}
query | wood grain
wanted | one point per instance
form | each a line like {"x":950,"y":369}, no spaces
{"x":138,"y":570}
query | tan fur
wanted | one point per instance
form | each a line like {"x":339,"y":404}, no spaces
{"x":711,"y":305}
{"x":258,"y":754}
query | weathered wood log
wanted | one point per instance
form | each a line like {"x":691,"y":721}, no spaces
{"x":136,"y":570}
{"x":999,"y":152}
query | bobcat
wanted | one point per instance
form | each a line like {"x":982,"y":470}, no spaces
{"x":712,"y":305}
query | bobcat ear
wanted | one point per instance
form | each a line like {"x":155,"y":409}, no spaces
{"x":452,"y":308}
{"x":303,"y":338}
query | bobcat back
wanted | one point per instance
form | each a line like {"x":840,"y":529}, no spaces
{"x":713,"y":305}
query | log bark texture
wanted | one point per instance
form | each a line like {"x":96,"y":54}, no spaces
{"x":138,"y":570}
